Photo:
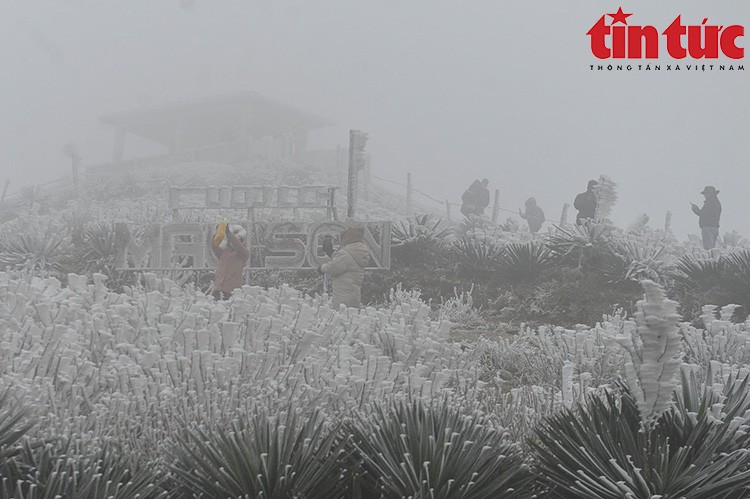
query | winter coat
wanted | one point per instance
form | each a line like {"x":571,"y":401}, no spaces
{"x":585,"y":203}
{"x":347,"y":267}
{"x":709,"y":215}
{"x":230,"y":272}
{"x":475,"y":199}
{"x":535,"y":218}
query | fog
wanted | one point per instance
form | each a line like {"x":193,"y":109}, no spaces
{"x":449,"y":91}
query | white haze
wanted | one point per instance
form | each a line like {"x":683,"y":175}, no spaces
{"x":450,"y":91}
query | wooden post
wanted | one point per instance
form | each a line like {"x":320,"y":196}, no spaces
{"x":496,"y":206}
{"x":339,"y":167}
{"x":668,"y":221}
{"x":448,"y":209}
{"x":331,"y":212}
{"x":564,"y":215}
{"x":5,"y":190}
{"x":75,"y":161}
{"x":366,"y":178}
{"x":409,"y":207}
{"x":351,"y":188}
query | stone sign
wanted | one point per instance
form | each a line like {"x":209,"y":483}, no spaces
{"x":272,"y":245}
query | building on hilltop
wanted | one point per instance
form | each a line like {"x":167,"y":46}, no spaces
{"x":228,"y":129}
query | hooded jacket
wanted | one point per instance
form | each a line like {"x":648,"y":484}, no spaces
{"x":347,"y":268}
{"x":534,"y":216}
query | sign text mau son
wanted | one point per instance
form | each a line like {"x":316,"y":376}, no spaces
{"x":272,"y":245}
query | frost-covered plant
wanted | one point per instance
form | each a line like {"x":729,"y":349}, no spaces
{"x":577,"y":245}
{"x":420,"y":240}
{"x":264,"y":455}
{"x":14,"y":423}
{"x":695,"y":449}
{"x":536,"y":357}
{"x":460,"y":308}
{"x":721,"y":341}
{"x":606,"y":197}
{"x":64,"y":469}
{"x":523,"y":262}
{"x":39,"y":253}
{"x":654,"y":347}
{"x":635,"y":260}
{"x":477,"y":258}
{"x":413,"y":448}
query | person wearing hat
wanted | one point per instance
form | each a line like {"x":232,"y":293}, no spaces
{"x":347,"y":268}
{"x":586,"y":203}
{"x":533,"y":215}
{"x":233,"y":254}
{"x":708,"y":216}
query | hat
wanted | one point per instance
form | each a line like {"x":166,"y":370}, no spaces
{"x":709,"y":189}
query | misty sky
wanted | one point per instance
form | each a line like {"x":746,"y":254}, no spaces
{"x":450,"y":91}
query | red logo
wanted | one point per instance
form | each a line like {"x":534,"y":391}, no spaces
{"x":620,"y":40}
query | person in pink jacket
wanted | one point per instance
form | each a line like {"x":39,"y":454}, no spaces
{"x":233,"y":254}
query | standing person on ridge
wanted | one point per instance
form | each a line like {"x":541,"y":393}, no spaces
{"x":586,"y":203}
{"x":476,"y":198}
{"x":229,"y":247}
{"x":708,"y":216}
{"x":533,"y":215}
{"x":347,"y":268}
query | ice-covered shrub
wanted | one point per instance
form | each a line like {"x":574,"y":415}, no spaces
{"x":420,"y":241}
{"x":37,"y":253}
{"x":74,"y":469}
{"x":696,"y":449}
{"x":655,"y":350}
{"x":262,"y":455}
{"x":721,"y":340}
{"x":524,"y":262}
{"x":413,"y":448}
{"x":536,"y":357}
{"x":477,"y":258}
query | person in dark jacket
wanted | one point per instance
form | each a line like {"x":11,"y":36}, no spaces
{"x":586,"y":203}
{"x":476,"y":198}
{"x":232,"y":253}
{"x":708,"y":216}
{"x":533,"y":215}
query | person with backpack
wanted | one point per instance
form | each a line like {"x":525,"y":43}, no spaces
{"x":476,"y":198}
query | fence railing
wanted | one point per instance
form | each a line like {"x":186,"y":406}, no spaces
{"x":448,"y":205}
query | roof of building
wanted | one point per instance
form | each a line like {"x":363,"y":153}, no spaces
{"x":213,"y":120}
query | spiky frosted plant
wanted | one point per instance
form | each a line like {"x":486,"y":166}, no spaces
{"x":14,"y":424}
{"x":606,"y":197}
{"x":434,"y":450}
{"x":270,"y":456}
{"x":654,"y":349}
{"x":696,"y":449}
{"x":63,"y":469}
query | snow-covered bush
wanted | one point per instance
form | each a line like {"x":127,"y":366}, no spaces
{"x":696,"y":449}
{"x":413,"y":448}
